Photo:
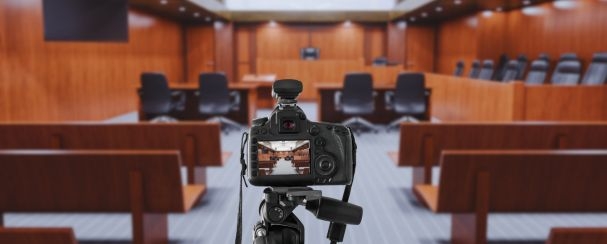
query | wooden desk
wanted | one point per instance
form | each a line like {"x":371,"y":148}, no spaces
{"x":312,"y":72}
{"x":476,"y":183}
{"x":245,"y":114}
{"x":328,"y":113}
{"x":37,"y":236}
{"x":263,"y":85}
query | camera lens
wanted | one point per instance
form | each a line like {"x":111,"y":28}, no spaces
{"x":288,"y":124}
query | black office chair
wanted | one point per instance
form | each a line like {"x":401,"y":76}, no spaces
{"x":459,"y":68}
{"x":475,"y":69}
{"x":567,"y":72}
{"x":511,"y":71}
{"x":597,"y":70}
{"x":409,"y":98}
{"x":500,"y":70}
{"x":216,"y":101}
{"x":522,"y":67}
{"x":568,"y":57}
{"x":157,"y":100}
{"x":545,"y":57}
{"x":487,"y":70}
{"x":357,"y":99}
{"x":537,"y":72}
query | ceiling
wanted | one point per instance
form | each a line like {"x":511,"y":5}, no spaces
{"x":412,"y":11}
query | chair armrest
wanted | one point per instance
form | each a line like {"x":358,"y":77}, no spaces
{"x":389,"y":100}
{"x":337,"y":100}
{"x":180,"y":97}
{"x":235,"y":100}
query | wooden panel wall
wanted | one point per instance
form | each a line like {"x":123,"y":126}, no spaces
{"x":420,"y":48}
{"x":581,"y":29}
{"x":200,"y":51}
{"x":224,"y":49}
{"x":456,"y":41}
{"x":78,"y":80}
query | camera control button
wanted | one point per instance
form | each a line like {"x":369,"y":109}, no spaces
{"x":260,"y":121}
{"x":314,"y":130}
{"x":325,"y":165}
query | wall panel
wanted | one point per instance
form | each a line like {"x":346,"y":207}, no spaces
{"x":54,"y":81}
{"x":420,"y":48}
{"x":456,"y":41}
{"x":200,"y":51}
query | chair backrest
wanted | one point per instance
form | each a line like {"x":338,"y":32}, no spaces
{"x":410,"y":94}
{"x":487,"y":70}
{"x":380,"y":61}
{"x":538,"y":72}
{"x":522,"y":67}
{"x":524,"y":181}
{"x":198,"y":142}
{"x":568,"y":57}
{"x":501,"y":67}
{"x":88,"y":181}
{"x":214,"y":95}
{"x":544,"y":56}
{"x":358,"y":89}
{"x":511,"y":71}
{"x":423,"y":142}
{"x":37,"y":236}
{"x":567,"y":72}
{"x":155,"y":94}
{"x":459,"y":68}
{"x":597,"y":71}
{"x":475,"y":69}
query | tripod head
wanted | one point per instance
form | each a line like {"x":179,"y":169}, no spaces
{"x":280,"y":225}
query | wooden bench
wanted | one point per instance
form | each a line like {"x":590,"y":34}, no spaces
{"x":198,"y":142}
{"x":578,"y":235}
{"x":145,"y":183}
{"x":421,"y":143}
{"x":474,"y":183}
{"x":37,"y":236}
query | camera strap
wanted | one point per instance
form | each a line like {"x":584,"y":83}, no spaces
{"x":337,"y":231}
{"x":243,"y":171}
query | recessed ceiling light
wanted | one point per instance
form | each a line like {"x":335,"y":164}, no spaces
{"x":218,"y":24}
{"x":412,"y":19}
{"x":439,"y":9}
{"x":526,"y":2}
{"x":424,"y":15}
{"x":347,"y":23}
{"x":196,"y":15}
{"x":499,"y":9}
{"x":401,"y":24}
{"x":487,"y":13}
{"x":182,"y":9}
{"x":272,"y":23}
{"x":208,"y":19}
{"x":457,"y":2}
{"x":565,"y":4}
{"x":164,"y":2}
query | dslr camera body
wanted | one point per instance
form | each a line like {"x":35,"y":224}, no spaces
{"x":287,"y":149}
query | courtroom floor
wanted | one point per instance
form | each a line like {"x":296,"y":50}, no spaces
{"x":391,"y":214}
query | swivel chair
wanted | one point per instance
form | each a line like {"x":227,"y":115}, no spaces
{"x":487,"y":70}
{"x":522,"y":66}
{"x":597,"y":71}
{"x":356,"y":100}
{"x":459,"y":68}
{"x":537,"y":72}
{"x":409,"y":99}
{"x":567,"y":72}
{"x":501,"y":67}
{"x":511,"y":71}
{"x":216,"y":101}
{"x":157,"y":100}
{"x":475,"y":69}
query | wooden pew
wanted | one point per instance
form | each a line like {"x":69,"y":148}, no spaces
{"x":37,"y":236}
{"x":474,"y":183}
{"x":198,"y":142}
{"x":421,"y":143}
{"x":145,"y":183}
{"x":578,"y":235}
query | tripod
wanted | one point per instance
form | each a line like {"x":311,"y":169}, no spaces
{"x":279,"y":225}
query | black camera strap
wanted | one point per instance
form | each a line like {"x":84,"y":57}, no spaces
{"x":243,"y":171}
{"x":337,"y":231}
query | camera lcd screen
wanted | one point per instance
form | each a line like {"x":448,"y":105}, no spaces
{"x":284,"y":157}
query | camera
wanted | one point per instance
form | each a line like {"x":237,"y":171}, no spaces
{"x":287,"y":149}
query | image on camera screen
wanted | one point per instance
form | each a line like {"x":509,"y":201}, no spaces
{"x":284,"y":157}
